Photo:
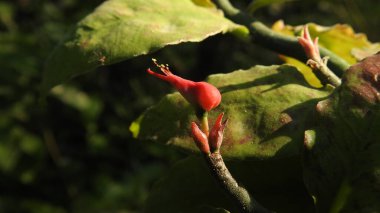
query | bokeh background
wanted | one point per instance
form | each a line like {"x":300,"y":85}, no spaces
{"x":72,"y":151}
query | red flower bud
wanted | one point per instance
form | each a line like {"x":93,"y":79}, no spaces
{"x":216,"y":134}
{"x":201,"y":94}
{"x":200,"y":138}
{"x":310,"y":47}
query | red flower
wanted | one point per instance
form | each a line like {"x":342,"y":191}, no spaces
{"x":201,"y":94}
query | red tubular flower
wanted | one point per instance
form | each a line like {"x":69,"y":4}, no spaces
{"x":200,"y":138}
{"x":201,"y":94}
{"x":216,"y":134}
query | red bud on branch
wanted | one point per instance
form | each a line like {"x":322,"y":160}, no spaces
{"x":216,"y":134}
{"x":311,"y":47}
{"x":215,"y":138}
{"x":200,"y":138}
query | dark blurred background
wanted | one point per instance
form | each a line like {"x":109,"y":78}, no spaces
{"x":73,"y":151}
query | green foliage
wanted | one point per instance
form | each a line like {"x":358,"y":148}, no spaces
{"x":118,"y":30}
{"x":342,"y":164}
{"x":340,"y":39}
{"x":267,"y":108}
{"x":73,"y":152}
{"x":60,"y":155}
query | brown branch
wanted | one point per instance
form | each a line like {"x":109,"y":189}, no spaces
{"x":209,"y":145}
{"x":242,"y":198}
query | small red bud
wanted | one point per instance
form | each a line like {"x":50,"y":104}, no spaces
{"x":200,"y":138}
{"x":201,"y":94}
{"x":216,"y":134}
{"x":310,"y":47}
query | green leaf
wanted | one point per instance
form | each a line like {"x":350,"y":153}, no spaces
{"x":189,"y":187}
{"x":267,"y":108}
{"x":121,"y":29}
{"x":361,"y":53}
{"x":341,"y":39}
{"x":342,"y":160}
{"x":89,"y":106}
{"x":7,"y":12}
{"x":204,"y":3}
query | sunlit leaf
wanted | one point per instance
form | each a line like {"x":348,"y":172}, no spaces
{"x":121,"y":29}
{"x":304,"y":69}
{"x":204,"y":3}
{"x":361,"y":53}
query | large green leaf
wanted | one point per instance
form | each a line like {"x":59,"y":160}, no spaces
{"x":189,"y":187}
{"x":342,"y":157}
{"x":122,"y":29}
{"x":267,"y":107}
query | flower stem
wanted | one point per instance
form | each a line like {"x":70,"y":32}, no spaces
{"x":204,"y":121}
{"x":240,"y":195}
